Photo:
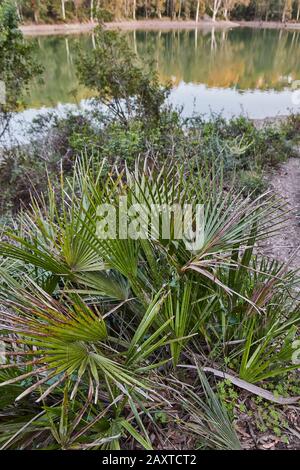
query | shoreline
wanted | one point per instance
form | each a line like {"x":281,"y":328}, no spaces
{"x":126,"y":25}
{"x":269,"y":25}
{"x":151,"y":25}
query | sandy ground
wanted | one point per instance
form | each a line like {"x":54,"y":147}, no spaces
{"x":168,"y":24}
{"x":49,"y":29}
{"x":269,"y":25}
{"x":75,"y":28}
{"x":165,"y":24}
{"x":285,"y":183}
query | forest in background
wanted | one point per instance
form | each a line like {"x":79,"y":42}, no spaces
{"x":52,"y":11}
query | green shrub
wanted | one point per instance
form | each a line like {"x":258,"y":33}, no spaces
{"x":101,"y":326}
{"x":251,"y":182}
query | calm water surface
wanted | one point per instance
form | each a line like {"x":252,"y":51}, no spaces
{"x":232,"y":71}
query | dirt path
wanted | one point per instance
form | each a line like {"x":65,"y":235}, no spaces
{"x":285,"y":182}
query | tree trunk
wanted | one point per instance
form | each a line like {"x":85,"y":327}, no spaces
{"x":134,"y":10}
{"x":298,"y":12}
{"x":179,"y":10}
{"x":197,"y":11}
{"x":217,"y":4}
{"x":92,"y":11}
{"x":63,"y":10}
{"x":158,"y":12}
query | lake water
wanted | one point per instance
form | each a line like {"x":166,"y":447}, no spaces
{"x":247,"y":70}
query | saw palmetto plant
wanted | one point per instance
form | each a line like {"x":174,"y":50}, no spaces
{"x":93,"y":329}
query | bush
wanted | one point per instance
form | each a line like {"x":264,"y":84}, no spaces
{"x":100,"y":325}
{"x":127,"y":88}
{"x":251,"y":182}
{"x":105,"y":16}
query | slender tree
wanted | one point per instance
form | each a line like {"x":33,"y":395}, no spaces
{"x":63,"y":9}
{"x":215,"y":6}
{"x":92,"y":10}
{"x":134,"y":10}
{"x":298,"y":11}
